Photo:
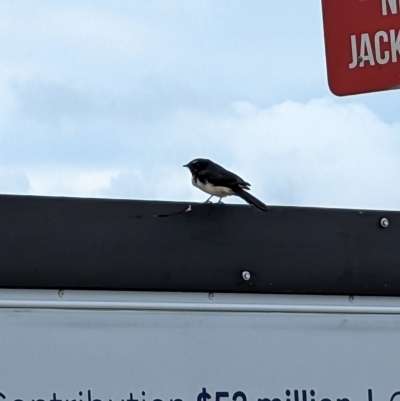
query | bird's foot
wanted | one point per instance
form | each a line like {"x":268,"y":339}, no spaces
{"x":220,"y":202}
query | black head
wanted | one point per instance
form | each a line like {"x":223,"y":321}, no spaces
{"x":197,"y":165}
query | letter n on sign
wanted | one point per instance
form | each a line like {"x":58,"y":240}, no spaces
{"x":362,"y":45}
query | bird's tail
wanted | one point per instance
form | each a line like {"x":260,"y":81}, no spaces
{"x":252,"y":200}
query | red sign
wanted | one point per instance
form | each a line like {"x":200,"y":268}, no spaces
{"x":362,"y":44}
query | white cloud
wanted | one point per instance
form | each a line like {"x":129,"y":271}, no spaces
{"x":82,"y":26}
{"x":7,"y":100}
{"x":110,"y":99}
{"x":318,"y":153}
{"x":69,"y":181}
{"x":13,"y":181}
{"x":75,"y":43}
{"x":163,"y":182}
{"x":222,"y":49}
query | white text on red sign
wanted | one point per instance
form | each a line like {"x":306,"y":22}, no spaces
{"x":381,"y":48}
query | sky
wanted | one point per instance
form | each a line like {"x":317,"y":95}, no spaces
{"x":110,"y":98}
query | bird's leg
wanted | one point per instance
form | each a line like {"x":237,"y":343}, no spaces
{"x":220,"y":202}
{"x":208,"y":200}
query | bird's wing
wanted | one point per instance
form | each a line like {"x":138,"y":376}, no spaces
{"x":223,"y":178}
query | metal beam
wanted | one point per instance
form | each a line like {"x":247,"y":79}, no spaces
{"x":75,"y":243}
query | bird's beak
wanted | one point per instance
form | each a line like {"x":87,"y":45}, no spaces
{"x":185,"y":165}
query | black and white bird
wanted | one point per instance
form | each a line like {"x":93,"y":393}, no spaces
{"x":214,"y":180}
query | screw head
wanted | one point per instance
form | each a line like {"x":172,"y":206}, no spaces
{"x":246,"y":275}
{"x":384,"y":222}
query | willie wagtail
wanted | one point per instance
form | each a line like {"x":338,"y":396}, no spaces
{"x":214,"y":180}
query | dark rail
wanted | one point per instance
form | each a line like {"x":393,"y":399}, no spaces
{"x":74,"y":243}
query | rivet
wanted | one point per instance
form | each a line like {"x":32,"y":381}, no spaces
{"x":384,"y":222}
{"x":246,"y":275}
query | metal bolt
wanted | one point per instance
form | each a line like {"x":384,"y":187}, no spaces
{"x":246,"y":275}
{"x":384,"y":222}
{"x":61,"y":293}
{"x":360,"y":59}
{"x":351,"y":298}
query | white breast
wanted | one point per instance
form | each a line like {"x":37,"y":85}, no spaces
{"x":210,"y":189}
